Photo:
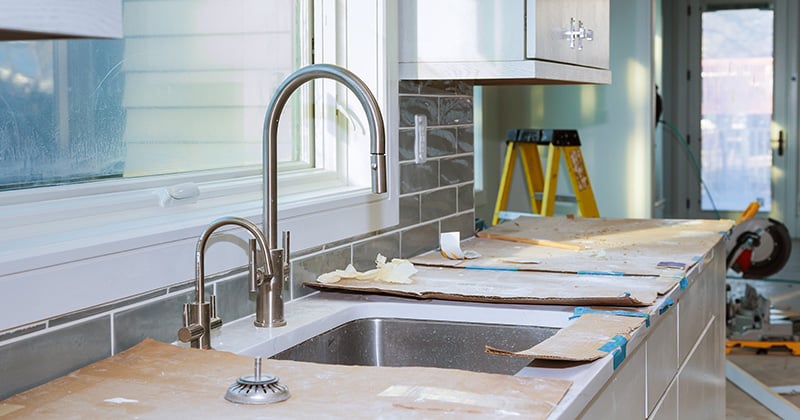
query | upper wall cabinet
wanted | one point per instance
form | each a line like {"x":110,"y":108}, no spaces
{"x":509,"y":41}
{"x":55,"y":19}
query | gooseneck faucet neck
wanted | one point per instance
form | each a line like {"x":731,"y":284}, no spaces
{"x":259,"y":237}
{"x":272,"y":117}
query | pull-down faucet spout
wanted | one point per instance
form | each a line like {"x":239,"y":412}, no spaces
{"x":280,"y":257}
{"x":270,"y":160}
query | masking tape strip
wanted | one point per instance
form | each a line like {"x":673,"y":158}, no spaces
{"x":618,"y":345}
{"x":582,"y":310}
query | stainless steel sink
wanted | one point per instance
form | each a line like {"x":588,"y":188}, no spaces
{"x":407,"y":342}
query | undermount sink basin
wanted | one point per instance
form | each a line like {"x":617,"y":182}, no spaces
{"x":408,"y":342}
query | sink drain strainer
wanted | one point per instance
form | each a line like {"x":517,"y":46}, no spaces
{"x":257,"y":388}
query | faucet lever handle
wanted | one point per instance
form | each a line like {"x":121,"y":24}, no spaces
{"x":253,"y":266}
{"x":214,"y":320}
{"x":285,"y":247}
{"x":186,"y":321}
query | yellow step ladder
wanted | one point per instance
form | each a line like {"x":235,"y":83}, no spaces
{"x":526,"y":142}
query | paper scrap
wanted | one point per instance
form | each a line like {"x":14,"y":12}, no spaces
{"x":396,"y":271}
{"x":450,"y":247}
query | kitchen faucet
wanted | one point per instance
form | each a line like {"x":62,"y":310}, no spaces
{"x":200,"y":317}
{"x":270,"y":150}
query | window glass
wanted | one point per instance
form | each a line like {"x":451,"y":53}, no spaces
{"x":185,"y":90}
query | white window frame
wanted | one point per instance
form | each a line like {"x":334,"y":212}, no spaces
{"x":71,"y":247}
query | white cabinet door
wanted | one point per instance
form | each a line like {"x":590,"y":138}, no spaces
{"x":662,"y":357}
{"x":624,"y":396}
{"x":701,"y":383}
{"x":569,"y":31}
{"x":461,"y":31}
{"x":485,"y":40}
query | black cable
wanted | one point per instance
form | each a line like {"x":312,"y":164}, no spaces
{"x":698,"y":171}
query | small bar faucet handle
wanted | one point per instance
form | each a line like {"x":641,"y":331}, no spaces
{"x":186,"y":321}
{"x":253,"y":266}
{"x":286,"y":247}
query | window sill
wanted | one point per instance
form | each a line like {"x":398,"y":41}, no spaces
{"x":104,"y":247}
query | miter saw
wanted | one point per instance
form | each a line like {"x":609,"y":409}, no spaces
{"x":758,"y":248}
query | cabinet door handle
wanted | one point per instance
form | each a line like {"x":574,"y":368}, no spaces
{"x":575,"y":36}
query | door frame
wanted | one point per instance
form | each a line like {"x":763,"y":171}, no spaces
{"x":682,"y":83}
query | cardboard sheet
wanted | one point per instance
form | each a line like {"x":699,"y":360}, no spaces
{"x":633,"y":247}
{"x":590,"y":337}
{"x":157,"y":380}
{"x":516,"y":287}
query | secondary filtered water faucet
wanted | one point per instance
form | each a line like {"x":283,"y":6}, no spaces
{"x":200,"y":317}
{"x":377,"y":134}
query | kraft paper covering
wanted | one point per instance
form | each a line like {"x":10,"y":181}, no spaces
{"x":584,"y":340}
{"x":630,"y":247}
{"x":516,"y":287}
{"x":157,"y":380}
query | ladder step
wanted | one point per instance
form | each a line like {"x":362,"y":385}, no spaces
{"x":560,"y":198}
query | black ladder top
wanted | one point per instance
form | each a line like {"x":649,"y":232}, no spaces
{"x":544,"y":136}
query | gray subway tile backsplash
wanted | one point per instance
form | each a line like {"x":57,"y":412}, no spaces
{"x":466,"y":139}
{"x":466,"y":197}
{"x":234,"y":299}
{"x":418,"y":105}
{"x":463,"y":223}
{"x":435,"y":196}
{"x":409,"y":210}
{"x":364,"y":253}
{"x":419,"y":239}
{"x":307,"y":268}
{"x":421,"y":177}
{"x":405,"y":144}
{"x":441,"y":141}
{"x":457,"y":110}
{"x":438,"y":203}
{"x":159,"y":320}
{"x":45,"y":356}
{"x":445,"y":87}
{"x":456,"y":170}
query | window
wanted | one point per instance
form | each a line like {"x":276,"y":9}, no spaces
{"x":108,"y":146}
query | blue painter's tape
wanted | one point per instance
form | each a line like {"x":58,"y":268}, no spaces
{"x":697,"y":258}
{"x":666,"y":305}
{"x":581,"y":310}
{"x":478,"y":267}
{"x":618,"y":345}
{"x":600,"y":273}
{"x":619,"y":356}
{"x":684,"y":282}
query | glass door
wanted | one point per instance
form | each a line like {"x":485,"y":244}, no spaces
{"x":736,"y":111}
{"x":747,"y":97}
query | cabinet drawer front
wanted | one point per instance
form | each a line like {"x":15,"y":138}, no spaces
{"x":558,"y":30}
{"x":662,"y":357}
